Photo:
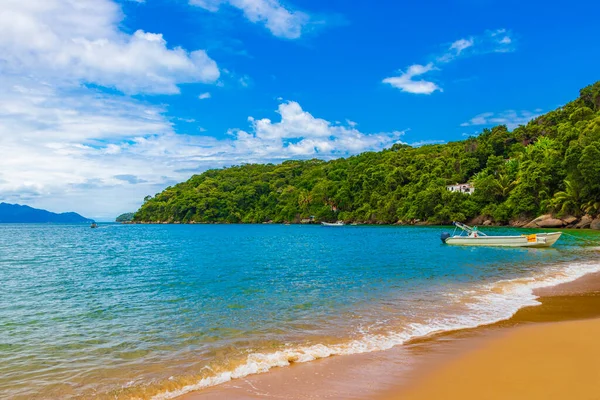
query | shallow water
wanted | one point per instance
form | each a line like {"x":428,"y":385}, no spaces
{"x":152,"y":311}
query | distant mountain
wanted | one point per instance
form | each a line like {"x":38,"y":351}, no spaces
{"x":15,"y":213}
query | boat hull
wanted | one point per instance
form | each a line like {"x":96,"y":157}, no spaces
{"x":335,"y":224}
{"x":537,"y":240}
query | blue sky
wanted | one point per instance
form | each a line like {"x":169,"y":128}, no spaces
{"x":107,"y":101}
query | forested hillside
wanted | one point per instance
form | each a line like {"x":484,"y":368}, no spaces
{"x":550,"y":165}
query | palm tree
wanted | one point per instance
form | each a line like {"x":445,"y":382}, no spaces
{"x":305,"y":199}
{"x":567,"y":201}
{"x":504,"y":185}
{"x":592,"y":207}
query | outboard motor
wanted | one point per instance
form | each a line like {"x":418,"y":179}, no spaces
{"x":445,"y":236}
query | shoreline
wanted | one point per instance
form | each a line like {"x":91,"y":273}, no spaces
{"x":548,"y":351}
{"x":517,"y":224}
{"x":540,"y":361}
{"x":386,"y":374}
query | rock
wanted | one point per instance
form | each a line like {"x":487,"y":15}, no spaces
{"x":585,"y":222}
{"x":487,"y":222}
{"x":569,"y":220}
{"x":595,"y":224}
{"x":551,"y":223}
{"x":476,"y":221}
{"x":546,"y":221}
{"x":517,"y":223}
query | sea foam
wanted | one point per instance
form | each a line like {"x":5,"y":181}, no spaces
{"x":481,"y":305}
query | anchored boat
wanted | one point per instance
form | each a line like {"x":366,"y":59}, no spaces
{"x":471,"y":236}
{"x":338,"y":223}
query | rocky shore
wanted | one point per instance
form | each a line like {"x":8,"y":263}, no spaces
{"x":543,"y":221}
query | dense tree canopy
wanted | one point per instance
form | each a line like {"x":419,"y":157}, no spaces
{"x":127,"y":217}
{"x":550,"y":164}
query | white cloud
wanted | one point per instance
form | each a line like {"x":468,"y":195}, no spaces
{"x":299,"y":134}
{"x":462,"y":44}
{"x":205,"y":96}
{"x":70,"y":41}
{"x":245,"y":81}
{"x":455,"y":49}
{"x":512,"y":119}
{"x":83,"y":150}
{"x":67,"y":146}
{"x":497,"y":41}
{"x":281,"y":21}
{"x":406,"y":83}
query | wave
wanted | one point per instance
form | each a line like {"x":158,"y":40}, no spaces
{"x":482,"y":305}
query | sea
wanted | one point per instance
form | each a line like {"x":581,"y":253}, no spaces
{"x":158,"y":311}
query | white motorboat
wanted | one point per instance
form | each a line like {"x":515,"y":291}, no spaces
{"x":473,"y":237}
{"x":338,"y":223}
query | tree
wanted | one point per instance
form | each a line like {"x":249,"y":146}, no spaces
{"x":551,"y":163}
{"x":568,"y":200}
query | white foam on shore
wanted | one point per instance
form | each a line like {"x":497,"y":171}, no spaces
{"x":483,"y":305}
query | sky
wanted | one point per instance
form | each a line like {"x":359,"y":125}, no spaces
{"x":103,"y":102}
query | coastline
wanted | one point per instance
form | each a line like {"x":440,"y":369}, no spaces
{"x":406,"y":370}
{"x":576,"y":225}
{"x":543,"y":352}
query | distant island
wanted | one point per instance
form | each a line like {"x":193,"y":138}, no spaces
{"x":16,"y":213}
{"x":549,"y":167}
{"x":127,"y":217}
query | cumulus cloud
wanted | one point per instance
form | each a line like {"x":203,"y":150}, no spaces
{"x":511,"y":118}
{"x":406,"y":83}
{"x":80,"y":41}
{"x":205,"y":96}
{"x":281,"y":21}
{"x":100,"y":154}
{"x":496,"y":41}
{"x":68,"y":144}
{"x":300,"y":134}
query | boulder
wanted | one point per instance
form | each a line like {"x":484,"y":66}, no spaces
{"x":595,"y":224}
{"x":517,"y":223}
{"x":487,"y":222}
{"x":476,"y":221}
{"x":569,"y":219}
{"x":551,"y":223}
{"x":533,"y":224}
{"x":546,"y":221}
{"x":585,"y":222}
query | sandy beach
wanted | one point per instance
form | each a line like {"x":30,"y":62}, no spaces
{"x":556,"y":358}
{"x":550,"y":351}
{"x":546,"y":361}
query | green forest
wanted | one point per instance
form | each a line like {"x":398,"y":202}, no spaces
{"x":550,"y":165}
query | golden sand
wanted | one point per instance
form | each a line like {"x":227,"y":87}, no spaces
{"x":543,"y":361}
{"x":558,"y":358}
{"x":551,"y":351}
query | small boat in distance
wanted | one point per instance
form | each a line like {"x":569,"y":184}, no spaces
{"x":474,"y":237}
{"x":338,"y":223}
{"x":93,"y":225}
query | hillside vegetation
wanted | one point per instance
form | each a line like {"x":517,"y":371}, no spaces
{"x":550,"y":165}
{"x":126,"y":217}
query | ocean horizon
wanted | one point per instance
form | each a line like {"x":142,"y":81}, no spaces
{"x":157,"y":311}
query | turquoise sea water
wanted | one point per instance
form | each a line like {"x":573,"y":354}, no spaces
{"x":152,"y":311}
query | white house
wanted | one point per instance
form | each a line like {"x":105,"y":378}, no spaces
{"x":462,"y":187}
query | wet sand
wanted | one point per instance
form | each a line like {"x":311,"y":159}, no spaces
{"x":551,"y":351}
